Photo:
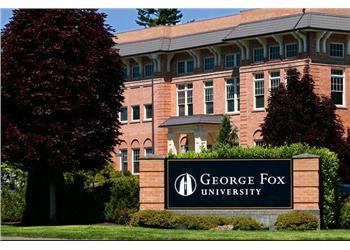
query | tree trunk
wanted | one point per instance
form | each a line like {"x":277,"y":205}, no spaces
{"x":52,"y":204}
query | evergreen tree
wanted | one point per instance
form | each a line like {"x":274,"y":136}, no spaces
{"x":296,"y":114}
{"x":155,"y":17}
{"x":227,"y":134}
{"x":61,"y":92}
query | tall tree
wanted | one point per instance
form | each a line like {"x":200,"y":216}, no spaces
{"x":154,"y":17}
{"x":61,"y":92}
{"x":227,"y":134}
{"x":296,"y":114}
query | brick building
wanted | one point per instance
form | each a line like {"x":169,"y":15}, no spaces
{"x":181,"y":79}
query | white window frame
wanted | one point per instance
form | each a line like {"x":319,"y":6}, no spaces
{"x":285,"y":50}
{"x":132,"y":113}
{"x":274,"y":46}
{"x":254,"y":81}
{"x":121,"y":159}
{"x":255,"y":49}
{"x":235,"y":61}
{"x":258,"y":140}
{"x":145,"y":112}
{"x":144,"y":70}
{"x":132,"y":160}
{"x":120,"y":115}
{"x":186,"y":68}
{"x":274,"y":78}
{"x":144,"y":150}
{"x":336,"y":43}
{"x":205,"y":103}
{"x":185,"y":90}
{"x":236,"y":81}
{"x":344,"y":86}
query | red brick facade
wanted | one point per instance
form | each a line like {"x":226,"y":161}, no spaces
{"x":138,"y":134}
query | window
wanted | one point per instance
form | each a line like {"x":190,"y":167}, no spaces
{"x":209,"y":97}
{"x":274,"y":80}
{"x":136,"y":113}
{"x":259,"y":91}
{"x":259,"y":143}
{"x":274,"y":52}
{"x":208,"y":63}
{"x":124,"y":114}
{"x":135,"y":160}
{"x":124,"y":160}
{"x":148,"y":151}
{"x":148,"y":111}
{"x":136,"y":72}
{"x":125,"y":73}
{"x":184,"y":67}
{"x":258,"y":54}
{"x":232,"y":60}
{"x":291,"y":50}
{"x":148,"y":70}
{"x":336,"y":49}
{"x":184,"y":99}
{"x":337,"y":86}
{"x":232,"y":95}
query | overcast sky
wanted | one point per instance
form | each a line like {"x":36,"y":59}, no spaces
{"x":124,"y":19}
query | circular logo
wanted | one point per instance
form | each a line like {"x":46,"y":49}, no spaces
{"x":185,"y":184}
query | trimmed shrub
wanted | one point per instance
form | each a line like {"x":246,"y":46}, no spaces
{"x":296,"y":221}
{"x":199,"y":222}
{"x":13,"y":182}
{"x":329,"y":164}
{"x":153,"y":218}
{"x":345,"y":215}
{"x":168,"y":219}
{"x":246,"y":223}
{"x":124,"y":200}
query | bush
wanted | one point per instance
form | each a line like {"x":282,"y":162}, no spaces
{"x":345,"y":215}
{"x":124,"y":200}
{"x":199,"y":222}
{"x":168,"y":219}
{"x":329,"y":164}
{"x":87,"y":193}
{"x":246,"y":223}
{"x":296,"y":221}
{"x":153,"y":218}
{"x":13,"y":182}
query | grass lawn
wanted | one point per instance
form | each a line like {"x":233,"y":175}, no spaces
{"x":102,"y":232}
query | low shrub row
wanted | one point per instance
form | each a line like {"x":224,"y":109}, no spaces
{"x":170,"y":220}
{"x":296,"y":221}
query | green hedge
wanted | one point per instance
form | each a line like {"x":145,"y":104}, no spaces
{"x":168,"y":220}
{"x":124,"y":200}
{"x":296,"y":221}
{"x":329,"y":203}
{"x":345,"y":215}
{"x":13,"y":182}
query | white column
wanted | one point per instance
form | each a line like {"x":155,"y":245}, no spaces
{"x":279,"y":39}
{"x":348,"y":44}
{"x":324,"y":42}
{"x":263,"y":42}
{"x":140,"y":63}
{"x":171,"y":142}
{"x":246,"y":46}
{"x":242,"y":50}
{"x":300,"y":43}
{"x":156,"y":61}
{"x":319,"y":36}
